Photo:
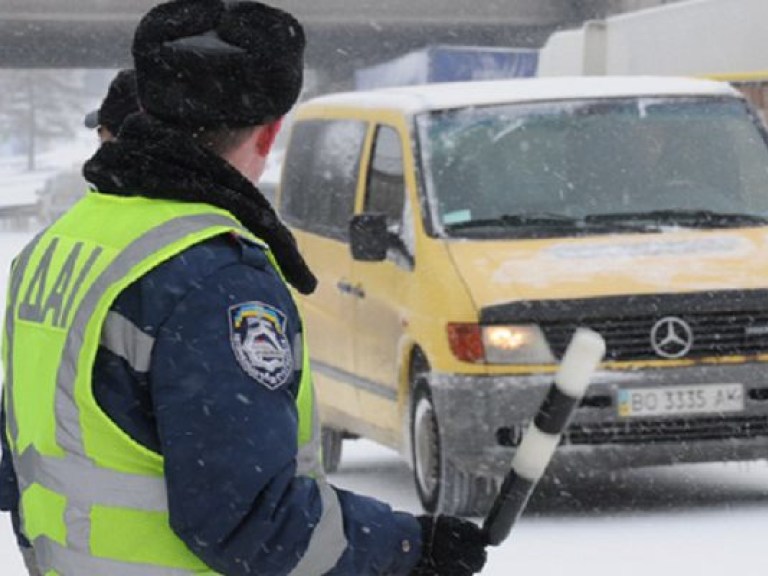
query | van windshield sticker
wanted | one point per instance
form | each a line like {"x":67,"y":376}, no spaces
{"x":457,"y":217}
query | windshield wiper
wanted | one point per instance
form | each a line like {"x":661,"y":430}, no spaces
{"x":523,"y":219}
{"x":680,"y":217}
{"x":548,"y":220}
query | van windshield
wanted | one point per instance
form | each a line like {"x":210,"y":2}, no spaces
{"x":595,"y":166}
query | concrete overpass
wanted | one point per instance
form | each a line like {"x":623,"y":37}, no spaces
{"x":342,"y":34}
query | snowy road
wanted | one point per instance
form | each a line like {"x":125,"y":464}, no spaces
{"x":703,"y":520}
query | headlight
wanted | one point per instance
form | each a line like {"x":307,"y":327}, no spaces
{"x":516,"y":344}
{"x":508,"y":344}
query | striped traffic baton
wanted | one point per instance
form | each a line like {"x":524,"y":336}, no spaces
{"x":584,"y":353}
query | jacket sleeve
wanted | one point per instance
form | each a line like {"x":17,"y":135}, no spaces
{"x":9,"y":486}
{"x":228,"y":431}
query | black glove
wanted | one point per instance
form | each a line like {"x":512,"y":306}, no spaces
{"x":450,"y":547}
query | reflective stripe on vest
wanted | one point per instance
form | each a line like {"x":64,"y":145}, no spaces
{"x":73,"y":505}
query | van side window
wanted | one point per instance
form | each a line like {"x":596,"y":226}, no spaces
{"x":318,"y":193}
{"x":385,"y":190}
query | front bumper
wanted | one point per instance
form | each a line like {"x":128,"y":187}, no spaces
{"x":482,"y":418}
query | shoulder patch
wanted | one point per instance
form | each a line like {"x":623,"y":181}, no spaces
{"x":260,"y":343}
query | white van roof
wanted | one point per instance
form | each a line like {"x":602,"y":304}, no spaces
{"x":426,"y":97}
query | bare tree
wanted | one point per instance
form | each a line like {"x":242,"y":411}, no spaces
{"x":38,"y":106}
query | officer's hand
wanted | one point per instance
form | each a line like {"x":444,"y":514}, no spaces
{"x":450,"y":547}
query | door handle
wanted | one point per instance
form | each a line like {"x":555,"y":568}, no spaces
{"x":355,"y":290}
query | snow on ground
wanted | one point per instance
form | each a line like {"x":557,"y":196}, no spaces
{"x":702,"y":520}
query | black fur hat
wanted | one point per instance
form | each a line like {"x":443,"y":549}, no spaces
{"x":209,"y":63}
{"x":119,"y":102}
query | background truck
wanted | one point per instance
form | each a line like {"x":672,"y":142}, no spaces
{"x":442,"y":63}
{"x":720,"y":39}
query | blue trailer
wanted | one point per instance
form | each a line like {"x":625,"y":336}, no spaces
{"x":442,"y":63}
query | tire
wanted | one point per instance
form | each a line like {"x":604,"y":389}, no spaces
{"x":426,"y":450}
{"x":331,"y":441}
{"x":442,"y":487}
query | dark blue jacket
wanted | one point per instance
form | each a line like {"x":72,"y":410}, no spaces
{"x":229,"y":442}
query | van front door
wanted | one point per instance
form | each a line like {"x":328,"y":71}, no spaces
{"x":380,"y":291}
{"x":317,"y":197}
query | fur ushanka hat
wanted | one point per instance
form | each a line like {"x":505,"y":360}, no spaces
{"x":118,"y":104}
{"x":209,"y":63}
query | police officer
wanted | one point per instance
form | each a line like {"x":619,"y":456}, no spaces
{"x":120,"y":102}
{"x":160,"y":412}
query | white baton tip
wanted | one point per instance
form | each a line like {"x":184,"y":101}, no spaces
{"x":581,"y":358}
{"x":534,"y":453}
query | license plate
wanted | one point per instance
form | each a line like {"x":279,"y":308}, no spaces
{"x":666,"y":400}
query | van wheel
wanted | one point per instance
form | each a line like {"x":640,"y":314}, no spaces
{"x":441,"y":487}
{"x":331,"y":440}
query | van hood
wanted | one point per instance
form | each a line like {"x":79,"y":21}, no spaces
{"x":497,"y":272}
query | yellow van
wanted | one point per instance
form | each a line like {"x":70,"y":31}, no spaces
{"x":461,"y":232}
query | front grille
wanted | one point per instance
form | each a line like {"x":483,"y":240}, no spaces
{"x":727,"y":323}
{"x":661,"y":431}
{"x":629,"y":338}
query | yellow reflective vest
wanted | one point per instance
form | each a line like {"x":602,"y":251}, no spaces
{"x":93,"y":501}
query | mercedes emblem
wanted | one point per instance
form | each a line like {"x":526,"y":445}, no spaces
{"x":671,"y":337}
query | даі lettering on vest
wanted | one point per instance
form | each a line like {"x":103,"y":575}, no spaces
{"x":49,"y":300}
{"x":159,"y":417}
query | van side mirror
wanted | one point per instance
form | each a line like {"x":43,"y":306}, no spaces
{"x":369,"y":237}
